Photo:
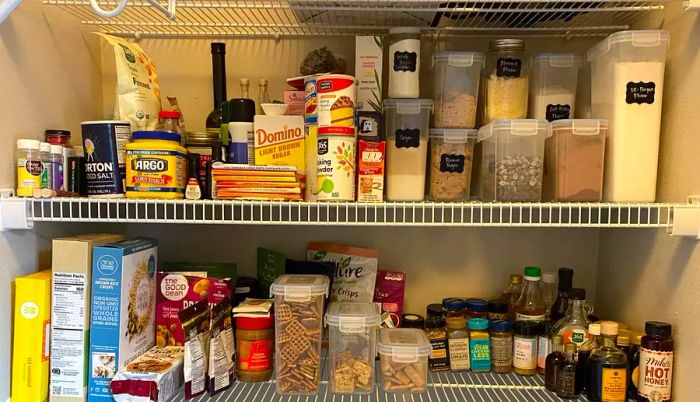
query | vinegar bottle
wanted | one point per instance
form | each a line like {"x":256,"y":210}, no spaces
{"x":530,"y":306}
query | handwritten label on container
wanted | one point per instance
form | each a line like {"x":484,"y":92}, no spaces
{"x":558,"y":112}
{"x":507,"y":67}
{"x":405,"y":61}
{"x":408,"y":138}
{"x":450,"y":163}
{"x":640,"y":92}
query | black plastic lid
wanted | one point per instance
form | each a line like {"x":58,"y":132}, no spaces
{"x":218,"y":48}
{"x":434,"y":310}
{"x":498,"y":307}
{"x":435,"y":322}
{"x":577,"y":294}
{"x":527,"y":328}
{"x":240,"y":109}
{"x":658,"y":329}
{"x":412,"y":321}
{"x":566,"y":276}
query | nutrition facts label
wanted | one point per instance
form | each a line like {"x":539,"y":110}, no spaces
{"x":68,"y":334}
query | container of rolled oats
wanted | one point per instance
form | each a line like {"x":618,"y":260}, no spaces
{"x":457,"y":76}
{"x":451,"y":152}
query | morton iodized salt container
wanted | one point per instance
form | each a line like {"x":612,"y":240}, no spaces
{"x":105,"y":157}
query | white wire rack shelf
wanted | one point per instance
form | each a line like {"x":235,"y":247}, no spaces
{"x":442,"y":387}
{"x":276,"y":18}
{"x":468,"y":214}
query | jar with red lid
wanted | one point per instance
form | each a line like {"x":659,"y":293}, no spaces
{"x":169,"y":120}
{"x":57,"y":137}
{"x":254,"y":348}
{"x":477,"y":308}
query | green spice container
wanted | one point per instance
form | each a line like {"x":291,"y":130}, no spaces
{"x":479,"y":345}
{"x":501,"y":346}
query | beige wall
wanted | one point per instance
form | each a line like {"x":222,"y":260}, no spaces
{"x":647,"y":275}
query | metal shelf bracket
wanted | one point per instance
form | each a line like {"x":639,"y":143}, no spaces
{"x":686,"y":221}
{"x":15,"y":212}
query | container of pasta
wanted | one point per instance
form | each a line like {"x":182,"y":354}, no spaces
{"x":155,"y":166}
{"x":336,"y":104}
{"x":335,"y":178}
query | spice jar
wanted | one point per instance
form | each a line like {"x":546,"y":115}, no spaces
{"x":498,"y":310}
{"x":525,"y":347}
{"x":404,"y":58}
{"x":479,"y":344}
{"x":458,"y":343}
{"x":412,"y":321}
{"x":437,"y":335}
{"x":501,"y":346}
{"x":453,"y":307}
{"x":506,"y":81}
{"x":29,"y":167}
{"x":451,"y":155}
{"x":254,"y":346}
{"x":477,"y":308}
{"x":434,"y":310}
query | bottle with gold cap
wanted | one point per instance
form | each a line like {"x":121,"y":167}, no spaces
{"x":607,"y":374}
{"x":585,"y":351}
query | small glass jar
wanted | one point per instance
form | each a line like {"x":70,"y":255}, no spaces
{"x":501,"y":346}
{"x":169,"y":120}
{"x":498,"y":310}
{"x":506,"y":76}
{"x":525,"y":347}
{"x":479,"y":345}
{"x":477,"y":308}
{"x":437,"y":335}
{"x":458,"y":343}
{"x":404,"y":59}
{"x":453,"y":307}
{"x":254,"y":347}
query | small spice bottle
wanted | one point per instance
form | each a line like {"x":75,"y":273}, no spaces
{"x":525,"y":347}
{"x":656,"y":363}
{"x":479,"y":344}
{"x":498,"y":310}
{"x":453,"y":307}
{"x":434,"y":310}
{"x":458,"y":343}
{"x":412,"y":321}
{"x":477,"y":308}
{"x":254,"y":346}
{"x":501,"y":346}
{"x":437,"y":335}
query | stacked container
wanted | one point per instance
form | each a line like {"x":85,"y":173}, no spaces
{"x":407,"y":124}
{"x":457,"y":76}
{"x":506,"y":77}
{"x":575,"y":160}
{"x":404,"y":359}
{"x":627,"y":78}
{"x":298,"y":326}
{"x":553,"y":82}
{"x":352,"y":346}
{"x":512,"y":160}
{"x":451,"y":156}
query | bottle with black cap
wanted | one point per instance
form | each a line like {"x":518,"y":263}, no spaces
{"x":574,"y":326}
{"x":241,"y":114}
{"x":566,"y":277}
{"x":216,"y":156}
{"x":656,"y":363}
{"x":218,"y":66}
{"x":193,"y":190}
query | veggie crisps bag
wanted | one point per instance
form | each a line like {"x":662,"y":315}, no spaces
{"x":356,"y":273}
{"x":195,"y":321}
{"x":138,"y":91}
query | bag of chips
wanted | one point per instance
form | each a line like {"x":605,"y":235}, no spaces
{"x":356,"y":272}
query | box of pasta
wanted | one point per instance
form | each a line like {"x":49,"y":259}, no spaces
{"x":122,"y":319}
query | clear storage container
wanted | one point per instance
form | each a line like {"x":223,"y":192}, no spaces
{"x":403,"y":354}
{"x":575,"y":160}
{"x":506,"y":76}
{"x":512,"y":159}
{"x":352,"y":339}
{"x":627,"y":82}
{"x":457,"y":76}
{"x":407,"y":123}
{"x":451,"y":156}
{"x":404,"y":59}
{"x":298,"y":326}
{"x":553,"y":83}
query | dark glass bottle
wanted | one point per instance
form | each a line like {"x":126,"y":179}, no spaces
{"x":215,"y":157}
{"x":607,"y":375}
{"x":218,"y":65}
{"x":656,"y":363}
{"x":633,"y":362}
{"x":585,"y":352}
{"x":561,"y":304}
{"x":553,"y":361}
{"x":566,"y":374}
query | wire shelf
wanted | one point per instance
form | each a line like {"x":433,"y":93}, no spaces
{"x":469,"y":214}
{"x":275,"y":18}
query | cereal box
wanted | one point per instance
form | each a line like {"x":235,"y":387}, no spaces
{"x":122,"y":317}
{"x":370,"y":171}
{"x":279,"y":140}
{"x":368,"y":70}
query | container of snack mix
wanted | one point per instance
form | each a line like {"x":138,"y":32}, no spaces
{"x":298,"y":326}
{"x":403,"y":354}
{"x":451,"y":154}
{"x":457,"y":76}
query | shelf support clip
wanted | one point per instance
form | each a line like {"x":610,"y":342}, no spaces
{"x":169,"y":12}
{"x":15,"y":212}
{"x":686,"y":219}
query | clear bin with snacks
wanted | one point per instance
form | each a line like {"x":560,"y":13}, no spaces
{"x":404,"y":359}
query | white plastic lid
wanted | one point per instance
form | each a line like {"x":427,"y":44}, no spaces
{"x":460,"y":59}
{"x":408,"y":106}
{"x":45,"y":147}
{"x":300,"y":287}
{"x":29,"y":144}
{"x":581,"y":126}
{"x":352,"y":317}
{"x":454,"y":135}
{"x":404,"y":345}
{"x":57,"y":149}
{"x":641,"y":39}
{"x":517,"y":127}
{"x":559,"y":59}
{"x":404,"y":30}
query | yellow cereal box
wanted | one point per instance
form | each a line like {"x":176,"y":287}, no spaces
{"x":30,"y":352}
{"x":279,"y":140}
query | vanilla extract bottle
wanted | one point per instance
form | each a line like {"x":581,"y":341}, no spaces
{"x":607,"y":377}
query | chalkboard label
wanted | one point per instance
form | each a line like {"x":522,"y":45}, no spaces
{"x":452,"y":163}
{"x":558,"y":112}
{"x":408,"y":138}
{"x":507,"y":67}
{"x":405,"y":61}
{"x":640,"y":92}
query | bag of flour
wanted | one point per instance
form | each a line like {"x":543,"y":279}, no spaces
{"x":138,"y":91}
{"x":356,"y":273}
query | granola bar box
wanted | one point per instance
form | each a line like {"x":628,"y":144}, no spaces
{"x":122,"y":318}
